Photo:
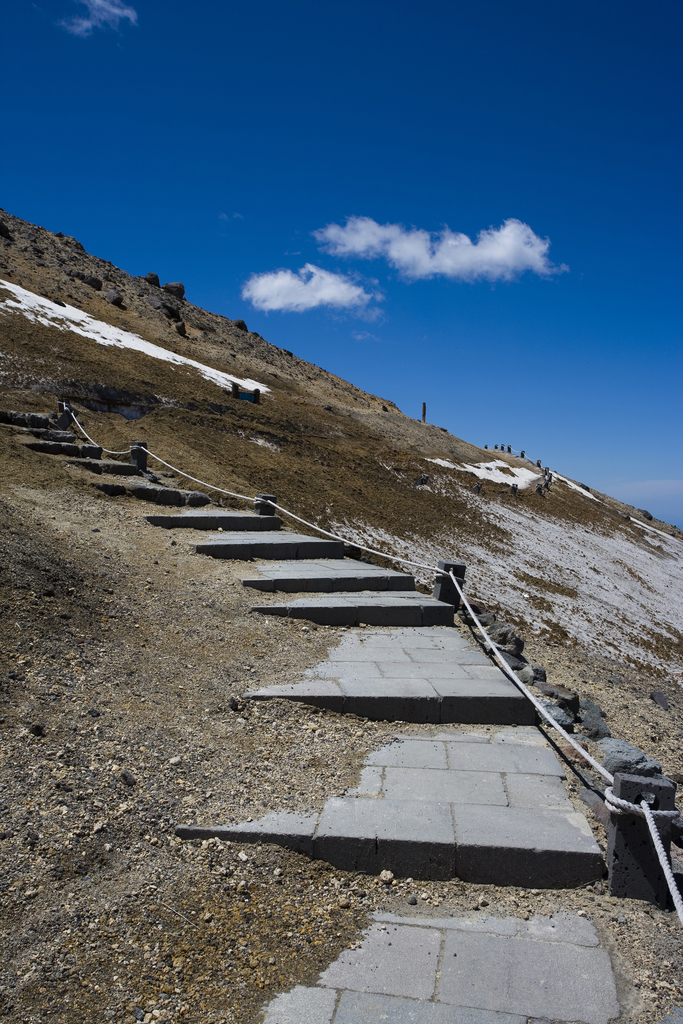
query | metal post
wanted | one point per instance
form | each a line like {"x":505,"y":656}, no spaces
{"x":424,"y":412}
{"x":262,"y":505}
{"x":138,"y":455}
{"x":634,"y":868}
{"x":444,"y":588}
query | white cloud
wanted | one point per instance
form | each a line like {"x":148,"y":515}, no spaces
{"x":499,"y":254}
{"x":101,"y":14}
{"x":309,"y":287}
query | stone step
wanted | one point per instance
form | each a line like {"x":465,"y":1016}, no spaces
{"x":110,"y":466}
{"x":327,"y":577}
{"x":491,"y":811}
{"x":478,"y":969}
{"x":409,"y":675}
{"x":367,"y":609}
{"x":258,"y":544}
{"x":76,"y":451}
{"x":217,"y":520}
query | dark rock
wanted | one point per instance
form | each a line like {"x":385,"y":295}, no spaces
{"x":94,"y":713}
{"x":327,"y":408}
{"x":660,"y":698}
{"x":5,"y":231}
{"x":240,"y":325}
{"x":92,"y":282}
{"x":422,"y":481}
{"x":592,"y":717}
{"x":559,"y":714}
{"x":127,"y":777}
{"x":645,"y":514}
{"x":487,"y":619}
{"x":568,"y":700}
{"x":37,"y":729}
{"x":116,"y":298}
{"x":477,"y":487}
{"x":180,"y":328}
{"x":412,"y":900}
{"x":153,"y":279}
{"x":596,"y":804}
{"x":514,"y":662}
{"x":540,"y":675}
{"x":234,"y":704}
{"x":169,"y":311}
{"x":505,"y":637}
{"x":620,"y":756}
{"x":138,"y":1012}
{"x":615,"y":680}
{"x":175,"y":288}
{"x":58,"y":302}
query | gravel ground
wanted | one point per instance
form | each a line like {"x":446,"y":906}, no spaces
{"x":123,"y":660}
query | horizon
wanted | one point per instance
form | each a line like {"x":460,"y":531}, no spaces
{"x":474,"y":209}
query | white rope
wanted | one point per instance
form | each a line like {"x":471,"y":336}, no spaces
{"x":616,"y":805}
{"x":107,"y":450}
{"x":527,"y":693}
{"x":663,"y":860}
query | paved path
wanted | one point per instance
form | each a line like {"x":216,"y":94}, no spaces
{"x":410,"y":675}
{"x":416,"y":970}
{"x":489,"y":809}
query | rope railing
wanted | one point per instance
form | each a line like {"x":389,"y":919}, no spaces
{"x":614,"y":804}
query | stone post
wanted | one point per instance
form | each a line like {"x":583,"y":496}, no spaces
{"x":261,"y":506}
{"x":65,"y":418}
{"x":522,"y":455}
{"x":513,"y":489}
{"x":424,"y":411}
{"x":235,"y":388}
{"x":138,"y":455}
{"x":257,"y":396}
{"x":634,"y":868}
{"x":444,"y":588}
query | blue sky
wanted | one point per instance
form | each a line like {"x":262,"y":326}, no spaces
{"x":470,"y":204}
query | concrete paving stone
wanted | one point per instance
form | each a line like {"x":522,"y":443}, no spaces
{"x":333,"y":575}
{"x":370,"y":783}
{"x":481,"y":703}
{"x":453,"y":737}
{"x":395,"y":960}
{"x":543,"y":791}
{"x":435,"y":655}
{"x":293,"y":831}
{"x":259,"y":544}
{"x":302,"y":1006}
{"x":490,"y":925}
{"x":414,"y":753}
{"x":571,"y":928}
{"x":336,"y":668}
{"x":446,"y":786}
{"x":322,"y":693}
{"x":526,"y":736}
{"x":213,"y":520}
{"x":500,"y":758}
{"x":410,"y":838}
{"x":371,"y":1008}
{"x":367,"y":653}
{"x":556,"y":980}
{"x":409,"y":669}
{"x":390,"y":699}
{"x":479,"y":670}
{"x":524,"y":846}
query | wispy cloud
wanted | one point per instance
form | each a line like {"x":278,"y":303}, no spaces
{"x":101,"y":14}
{"x":499,"y":254}
{"x":308,"y":288}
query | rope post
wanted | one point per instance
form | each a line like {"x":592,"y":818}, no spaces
{"x":138,"y":455}
{"x":257,"y":396}
{"x":262,"y":505}
{"x":65,"y":418}
{"x":444,"y":587}
{"x":235,"y":389}
{"x":424,"y":412}
{"x":521,"y":455}
{"x":510,"y":449}
{"x":513,"y":489}
{"x":634,"y":869}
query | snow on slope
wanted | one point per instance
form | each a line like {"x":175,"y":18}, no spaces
{"x":622,"y":598}
{"x":67,"y":318}
{"x":497,"y":471}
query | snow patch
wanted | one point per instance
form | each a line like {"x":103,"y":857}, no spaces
{"x":575,"y":487}
{"x":445,"y":463}
{"x":502,"y":473}
{"x":38,"y":309}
